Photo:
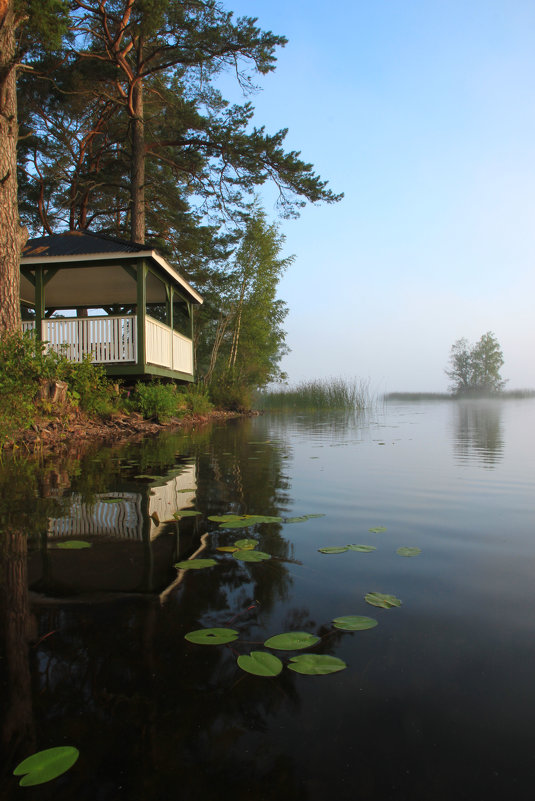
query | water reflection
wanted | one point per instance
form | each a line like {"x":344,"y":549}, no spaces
{"x":106,"y":657}
{"x":478,"y":432}
{"x":96,"y":655}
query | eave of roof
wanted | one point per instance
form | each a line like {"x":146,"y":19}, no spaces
{"x":34,"y":255}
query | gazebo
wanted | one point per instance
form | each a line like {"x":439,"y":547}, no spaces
{"x":120,"y":302}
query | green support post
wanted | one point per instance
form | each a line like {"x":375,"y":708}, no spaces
{"x":39,"y":301}
{"x":141,"y":311}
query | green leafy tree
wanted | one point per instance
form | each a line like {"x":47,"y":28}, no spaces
{"x":476,"y":368}
{"x":243,"y":340}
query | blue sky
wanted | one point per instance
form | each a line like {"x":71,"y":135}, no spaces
{"x":423,"y":113}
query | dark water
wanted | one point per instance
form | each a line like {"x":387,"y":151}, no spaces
{"x":437,"y":701}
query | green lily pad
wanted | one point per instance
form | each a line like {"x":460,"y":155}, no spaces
{"x":195,"y":564}
{"x":260,"y":663}
{"x":301,"y":518}
{"x":405,"y":551}
{"x":362,"y":548}
{"x":238,"y":522}
{"x":291,"y":641}
{"x":186,"y":513}
{"x":226,"y":548}
{"x":377,"y":529}
{"x":111,"y":500}
{"x":216,"y":636}
{"x":316,"y":664}
{"x":334,"y":549}
{"x":46,"y":765}
{"x":242,"y":521}
{"x":71,"y":545}
{"x":251,"y":556}
{"x":246,"y":545}
{"x":354,"y":623}
{"x":382,"y":600}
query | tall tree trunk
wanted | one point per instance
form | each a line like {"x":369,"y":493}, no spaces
{"x":12,"y":236}
{"x":137,"y":184}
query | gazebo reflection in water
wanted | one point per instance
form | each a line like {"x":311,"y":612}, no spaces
{"x":134,"y":541}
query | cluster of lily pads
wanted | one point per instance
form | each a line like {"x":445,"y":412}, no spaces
{"x":402,"y":551}
{"x":263,"y":663}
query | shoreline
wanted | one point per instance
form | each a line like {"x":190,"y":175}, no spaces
{"x":59,"y":435}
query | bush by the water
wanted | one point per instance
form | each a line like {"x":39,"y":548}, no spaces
{"x":163,"y":401}
{"x":318,"y":394}
{"x":25,"y":364}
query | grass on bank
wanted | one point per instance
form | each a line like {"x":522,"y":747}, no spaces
{"x":317,"y":395}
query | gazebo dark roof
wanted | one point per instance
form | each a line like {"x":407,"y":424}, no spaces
{"x":77,"y":243}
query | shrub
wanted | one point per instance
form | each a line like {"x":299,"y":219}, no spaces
{"x":158,"y":400}
{"x":196,"y":399}
{"x":231,"y":395}
{"x":24,"y":362}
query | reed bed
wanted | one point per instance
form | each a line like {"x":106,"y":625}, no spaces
{"x":318,"y":395}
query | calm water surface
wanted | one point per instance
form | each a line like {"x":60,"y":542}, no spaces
{"x":437,"y":701}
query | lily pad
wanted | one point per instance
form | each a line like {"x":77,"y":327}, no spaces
{"x":362,"y":548}
{"x":382,"y":600}
{"x":316,"y":664}
{"x":242,"y":521}
{"x":405,"y":551}
{"x":46,"y":765}
{"x":301,"y":518}
{"x":334,"y":549}
{"x":71,"y":545}
{"x":215,"y":636}
{"x":260,"y":663}
{"x":245,"y":545}
{"x":226,"y":548}
{"x":292,"y":641}
{"x":354,"y":623}
{"x":195,"y":564}
{"x":186,"y":513}
{"x":377,"y":529}
{"x":111,"y":500}
{"x":251,"y":556}
{"x":237,"y":522}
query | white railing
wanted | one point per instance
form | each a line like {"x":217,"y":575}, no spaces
{"x":182,"y":353}
{"x":167,"y":348}
{"x":113,"y":339}
{"x":107,"y":339}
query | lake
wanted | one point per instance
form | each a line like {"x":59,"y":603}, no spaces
{"x":437,"y":701}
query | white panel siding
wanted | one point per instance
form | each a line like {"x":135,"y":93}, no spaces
{"x":182,"y":353}
{"x":158,"y":343}
{"x":107,"y":339}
